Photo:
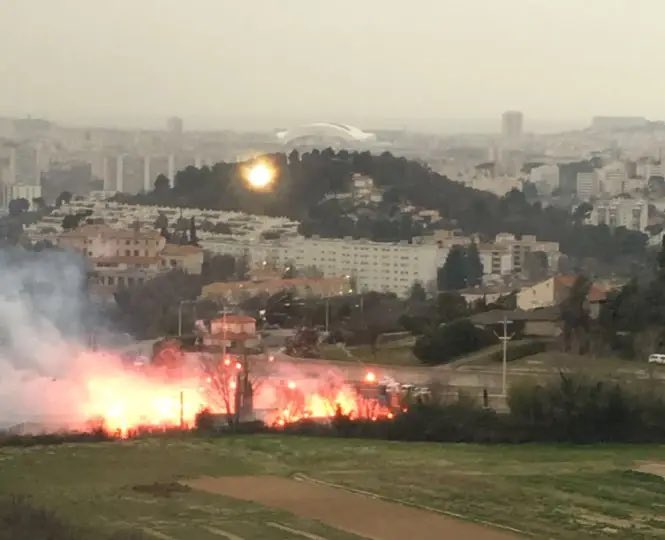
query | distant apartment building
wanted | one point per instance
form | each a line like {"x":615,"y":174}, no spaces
{"x":186,"y":258}
{"x":520,"y":247}
{"x":174,"y":126}
{"x":511,"y":124}
{"x":446,"y":238}
{"x":648,"y":169}
{"x":20,"y":191}
{"x":375,"y":266}
{"x":588,"y":185}
{"x":621,"y":212}
{"x":496,"y":260}
{"x":613,"y":179}
{"x":97,"y":241}
{"x":126,"y":257}
{"x":135,"y":173}
{"x":545,"y":178}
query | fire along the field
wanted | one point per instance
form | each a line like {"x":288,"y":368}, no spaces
{"x":148,"y":396}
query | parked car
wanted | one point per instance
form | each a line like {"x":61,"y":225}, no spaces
{"x":657,"y":359}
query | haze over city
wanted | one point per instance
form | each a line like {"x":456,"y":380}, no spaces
{"x":253,"y":251}
{"x":426,"y":64}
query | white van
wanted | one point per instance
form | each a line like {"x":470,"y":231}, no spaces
{"x":657,"y":359}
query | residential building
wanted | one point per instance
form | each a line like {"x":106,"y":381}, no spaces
{"x":588,"y":185}
{"x":363,"y":190}
{"x":376,"y":266}
{"x":235,"y":291}
{"x":186,"y":258}
{"x":519,"y":248}
{"x":497,"y":260}
{"x":446,"y":238}
{"x":554,"y":290}
{"x":621,"y":212}
{"x":511,"y":124}
{"x":99,"y":241}
{"x":487,"y":294}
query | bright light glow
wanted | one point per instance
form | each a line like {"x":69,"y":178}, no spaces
{"x":260,"y":176}
{"x":370,"y":377}
{"x":292,"y":385}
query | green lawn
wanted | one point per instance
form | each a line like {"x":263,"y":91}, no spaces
{"x":394,"y":356}
{"x":546,"y":491}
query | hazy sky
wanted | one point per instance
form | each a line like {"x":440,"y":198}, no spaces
{"x":132,"y":61}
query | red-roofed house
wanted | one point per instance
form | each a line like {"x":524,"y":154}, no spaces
{"x":555,"y":290}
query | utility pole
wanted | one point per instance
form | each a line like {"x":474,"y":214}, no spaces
{"x":182,"y":409}
{"x":182,"y":303}
{"x":505,"y":338}
{"x":327,"y":313}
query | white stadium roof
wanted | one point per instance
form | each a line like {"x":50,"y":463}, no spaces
{"x":326,"y":130}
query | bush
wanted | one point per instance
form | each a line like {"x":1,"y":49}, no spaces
{"x":577,"y":409}
{"x":445,"y":343}
{"x":520,"y":349}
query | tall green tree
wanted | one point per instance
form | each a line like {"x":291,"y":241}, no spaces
{"x":474,"y":268}
{"x":452,"y":275}
{"x":418,"y":293}
{"x":575,"y":315}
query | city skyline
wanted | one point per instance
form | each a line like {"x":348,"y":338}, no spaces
{"x":376,"y":64}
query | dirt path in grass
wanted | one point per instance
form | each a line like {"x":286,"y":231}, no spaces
{"x":357,"y":514}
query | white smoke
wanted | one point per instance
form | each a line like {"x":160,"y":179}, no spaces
{"x":42,"y":333}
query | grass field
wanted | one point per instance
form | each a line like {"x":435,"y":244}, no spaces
{"x":544,"y":491}
{"x":388,"y":355}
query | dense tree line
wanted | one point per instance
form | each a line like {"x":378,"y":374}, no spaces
{"x":302,"y":181}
